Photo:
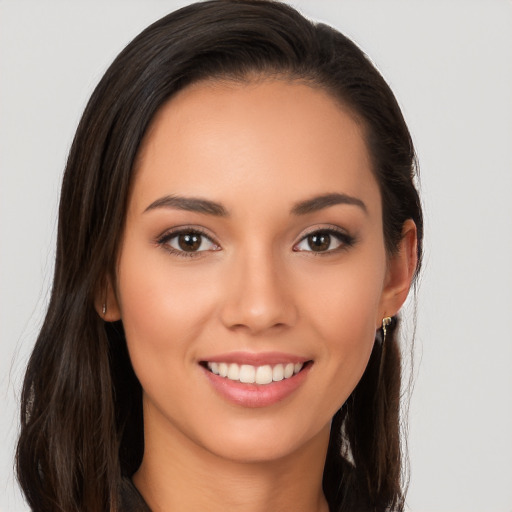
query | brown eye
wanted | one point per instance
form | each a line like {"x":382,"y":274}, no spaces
{"x":325,"y":241}
{"x":319,"y":241}
{"x":189,"y":242}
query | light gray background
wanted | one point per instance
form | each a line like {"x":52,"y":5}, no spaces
{"x":450,"y":65}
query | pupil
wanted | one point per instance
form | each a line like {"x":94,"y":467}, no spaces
{"x":189,"y":242}
{"x":319,"y":241}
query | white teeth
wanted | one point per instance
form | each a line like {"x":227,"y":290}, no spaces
{"x":264,"y":374}
{"x":278,"y":372}
{"x":223,"y":369}
{"x":249,"y":374}
{"x":233,"y":372}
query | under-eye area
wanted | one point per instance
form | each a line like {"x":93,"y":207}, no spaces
{"x":251,"y":374}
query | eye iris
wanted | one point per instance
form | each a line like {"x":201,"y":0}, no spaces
{"x":189,"y":242}
{"x":319,"y":241}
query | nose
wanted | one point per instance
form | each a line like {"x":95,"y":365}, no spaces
{"x":259,"y":296}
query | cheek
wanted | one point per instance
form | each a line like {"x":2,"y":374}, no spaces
{"x":344,"y":300}
{"x":342,"y":314}
{"x":163,"y":311}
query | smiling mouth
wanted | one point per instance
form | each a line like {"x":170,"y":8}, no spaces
{"x":249,"y":374}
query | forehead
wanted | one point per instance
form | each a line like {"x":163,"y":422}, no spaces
{"x":274,"y":138}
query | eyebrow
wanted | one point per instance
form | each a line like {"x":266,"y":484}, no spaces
{"x":190,"y":204}
{"x":325,"y":201}
{"x":205,"y":206}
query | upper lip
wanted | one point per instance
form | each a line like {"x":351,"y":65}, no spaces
{"x":256,"y":358}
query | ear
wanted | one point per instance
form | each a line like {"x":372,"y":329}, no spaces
{"x":400,"y":272}
{"x":106,"y":303}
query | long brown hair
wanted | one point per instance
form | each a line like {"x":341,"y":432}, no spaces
{"x":81,"y":411}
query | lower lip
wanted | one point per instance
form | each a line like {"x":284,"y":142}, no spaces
{"x":256,"y":395}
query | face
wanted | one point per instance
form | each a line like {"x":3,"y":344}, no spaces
{"x":252,"y":274}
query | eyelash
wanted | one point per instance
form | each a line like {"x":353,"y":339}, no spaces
{"x":346,"y":241}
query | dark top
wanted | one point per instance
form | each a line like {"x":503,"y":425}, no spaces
{"x":131,"y":500}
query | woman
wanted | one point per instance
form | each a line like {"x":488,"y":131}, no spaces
{"x":238,"y":230}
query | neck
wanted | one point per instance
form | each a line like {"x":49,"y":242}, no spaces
{"x":177,"y":474}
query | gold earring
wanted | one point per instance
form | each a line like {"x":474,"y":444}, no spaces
{"x":385,"y":322}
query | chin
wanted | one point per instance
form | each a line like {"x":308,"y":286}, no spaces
{"x":264,"y":441}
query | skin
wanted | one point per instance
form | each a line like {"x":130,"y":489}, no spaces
{"x":257,"y":149}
